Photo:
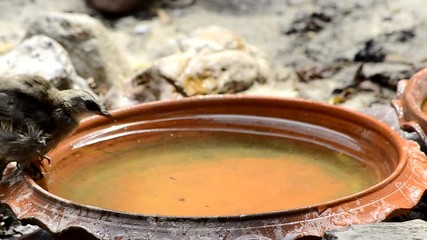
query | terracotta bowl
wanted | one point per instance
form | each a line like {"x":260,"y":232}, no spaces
{"x":410,"y":96}
{"x":399,"y":162}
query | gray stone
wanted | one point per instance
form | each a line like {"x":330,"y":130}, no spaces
{"x":415,"y":229}
{"x":43,"y":56}
{"x":146,"y":86}
{"x":92,"y":50}
{"x":386,"y":114}
{"x":322,"y":89}
{"x":387,"y":74}
{"x":237,"y":6}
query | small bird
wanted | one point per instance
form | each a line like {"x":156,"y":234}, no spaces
{"x":35,"y":116}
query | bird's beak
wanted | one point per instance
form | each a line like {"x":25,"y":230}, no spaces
{"x":106,"y":114}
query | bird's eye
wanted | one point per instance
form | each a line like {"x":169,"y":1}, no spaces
{"x":92,"y":106}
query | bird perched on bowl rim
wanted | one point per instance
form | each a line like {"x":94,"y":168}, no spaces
{"x":35,"y":116}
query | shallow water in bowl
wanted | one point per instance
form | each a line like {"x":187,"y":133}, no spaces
{"x":424,"y":106}
{"x":214,"y":174}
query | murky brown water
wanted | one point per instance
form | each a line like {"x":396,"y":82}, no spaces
{"x":219,"y":174}
{"x":424,"y":106}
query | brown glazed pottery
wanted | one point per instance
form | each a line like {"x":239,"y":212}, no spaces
{"x":400,"y":163}
{"x":410,"y":96}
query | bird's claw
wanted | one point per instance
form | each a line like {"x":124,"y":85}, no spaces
{"x":38,"y":175}
{"x":41,"y":158}
{"x":35,"y":172}
{"x":47,"y":158}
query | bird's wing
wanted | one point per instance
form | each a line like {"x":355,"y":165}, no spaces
{"x":25,"y":100}
{"x":30,"y":85}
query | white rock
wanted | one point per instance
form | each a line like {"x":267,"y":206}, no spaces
{"x":214,"y":60}
{"x":141,"y":29}
{"x":415,"y":229}
{"x":93,"y":52}
{"x":43,"y":56}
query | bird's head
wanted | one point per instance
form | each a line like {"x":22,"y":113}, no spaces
{"x":81,"y":104}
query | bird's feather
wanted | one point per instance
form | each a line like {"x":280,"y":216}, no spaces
{"x":26,"y":103}
{"x":35,"y":116}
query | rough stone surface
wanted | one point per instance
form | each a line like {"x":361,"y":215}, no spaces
{"x":92,"y":51}
{"x":319,"y":40}
{"x":225,"y":62}
{"x":387,"y":74}
{"x":415,"y":230}
{"x":387,"y":115}
{"x":42,"y":56}
{"x":214,"y":60}
{"x":146,"y":86}
{"x":238,"y":7}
